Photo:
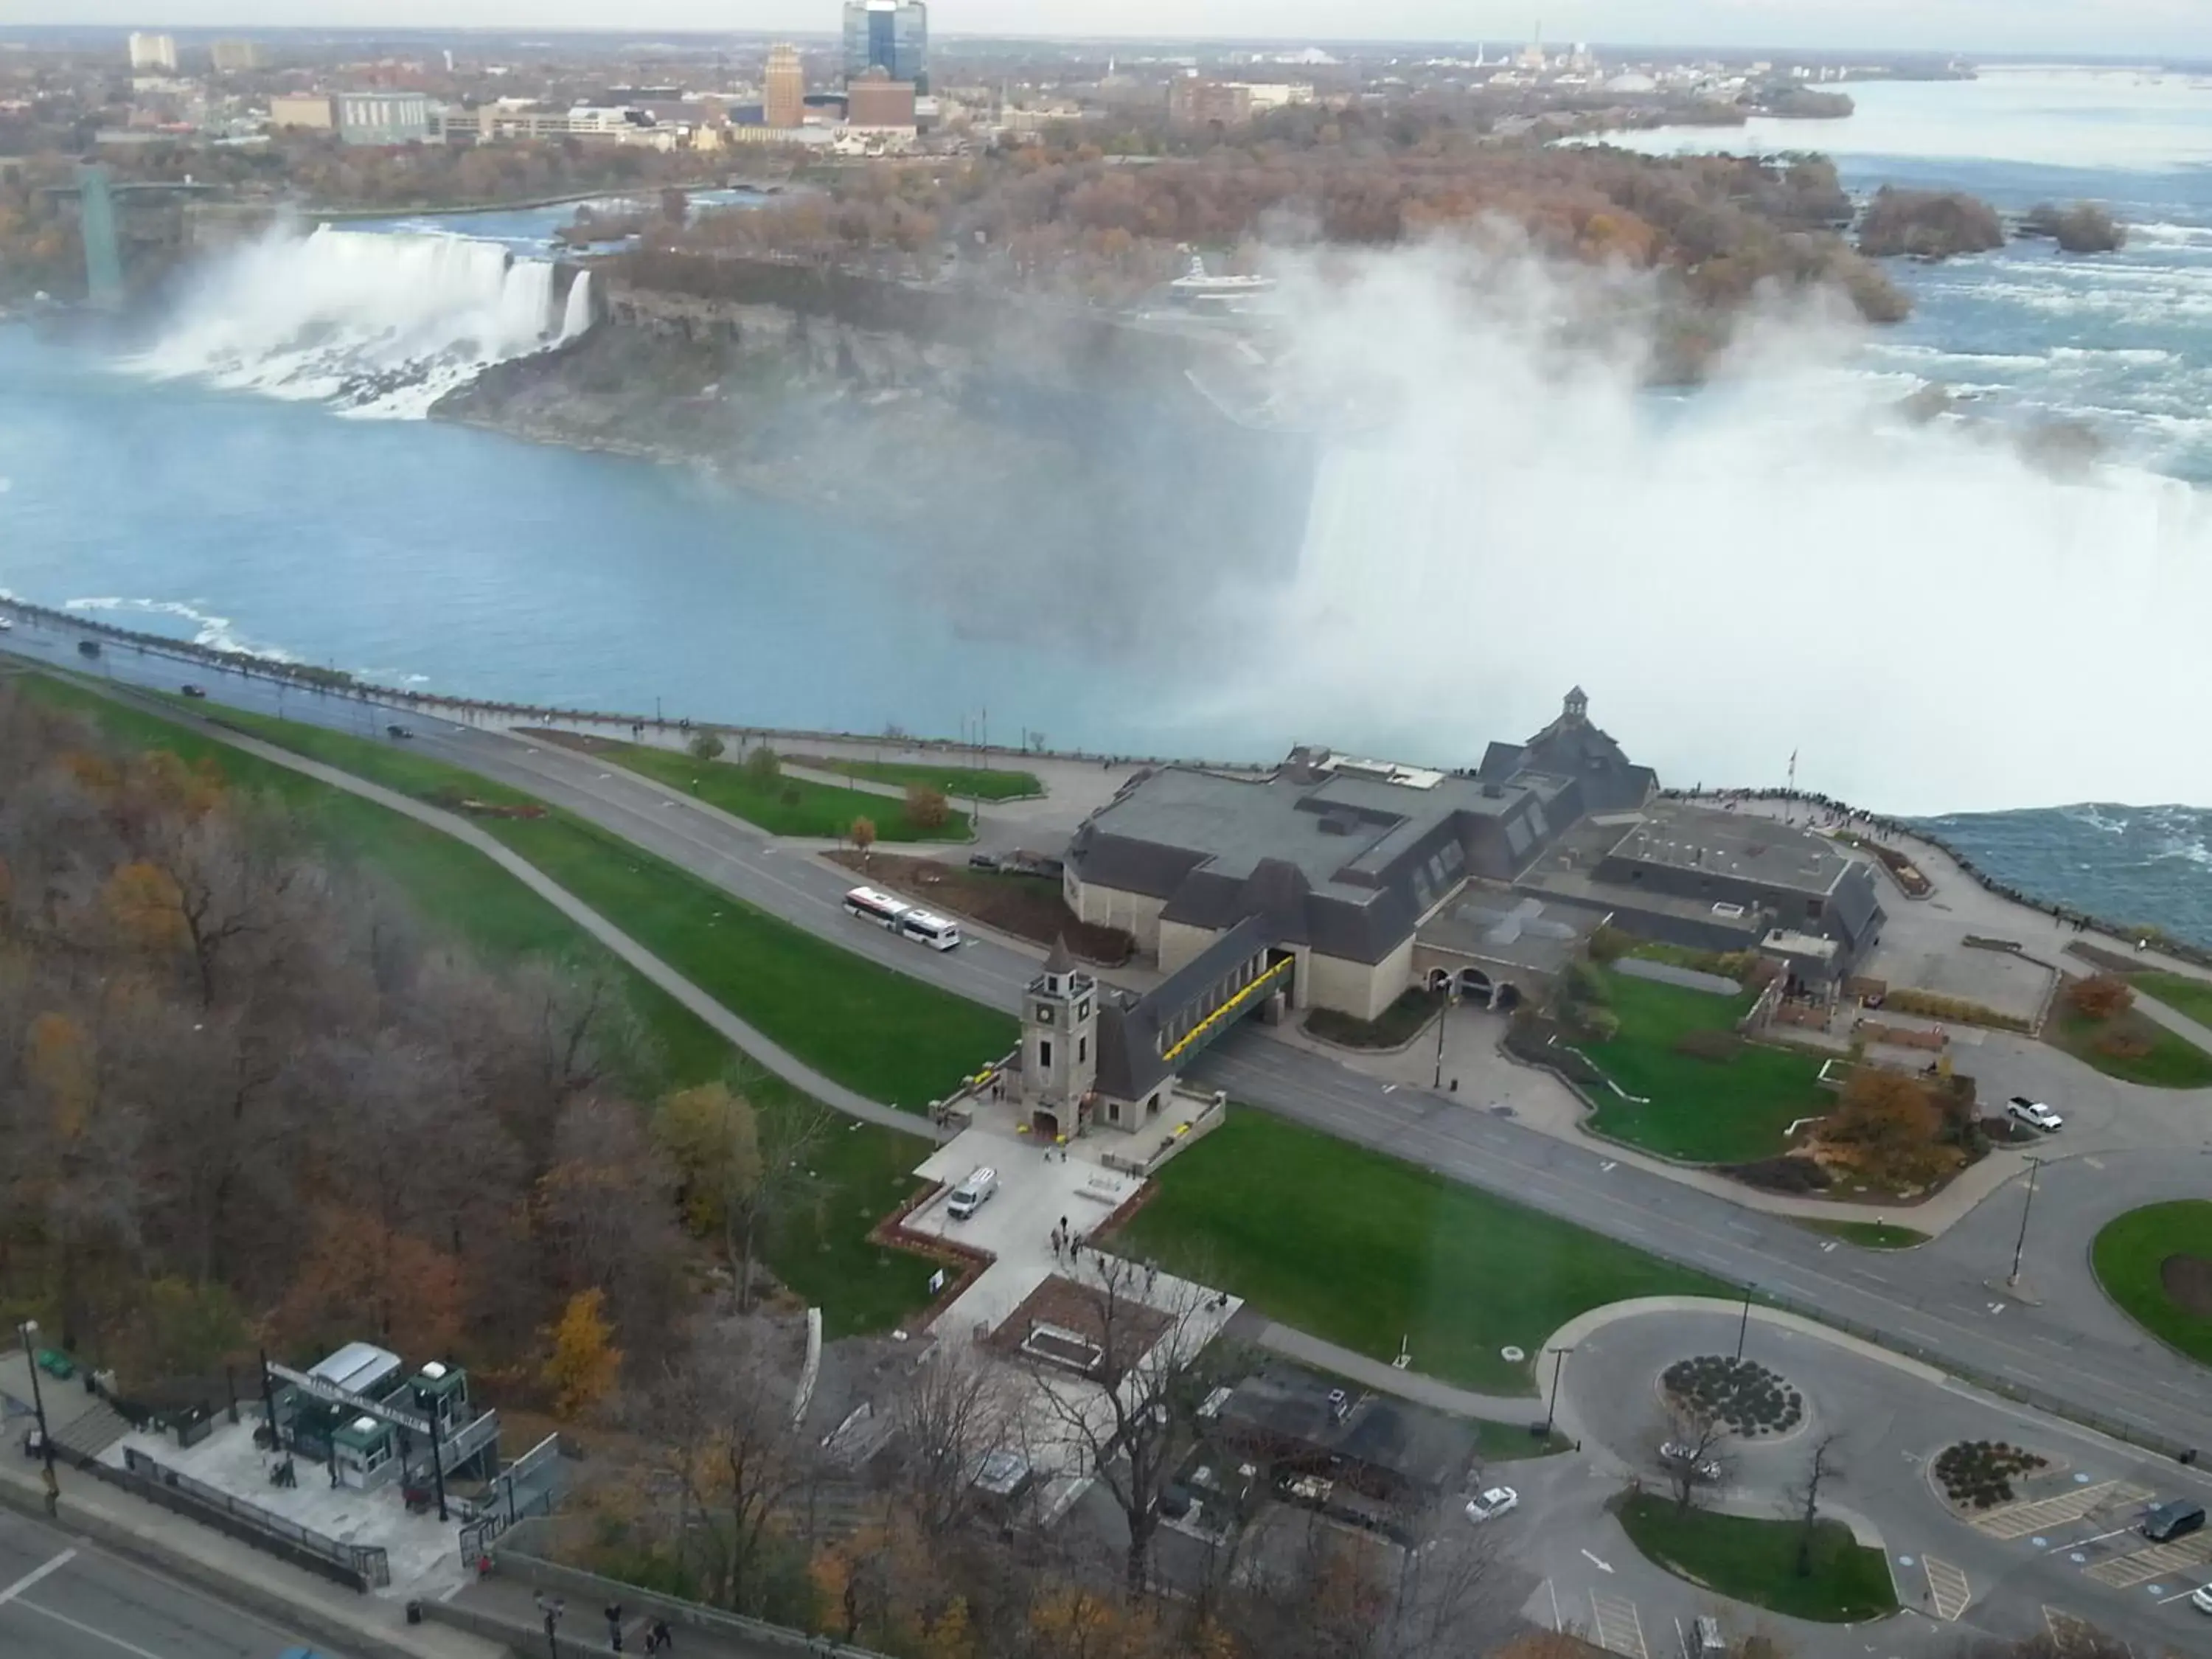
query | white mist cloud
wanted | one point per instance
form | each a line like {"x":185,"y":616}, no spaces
{"x":1777,"y":562}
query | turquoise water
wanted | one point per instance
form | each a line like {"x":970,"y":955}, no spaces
{"x":1964,"y":609}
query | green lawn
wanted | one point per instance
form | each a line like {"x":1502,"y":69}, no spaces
{"x":782,"y":805}
{"x":2128,"y":1255}
{"x":961,"y":782}
{"x":1749,"y":1560}
{"x":1705,"y":1111}
{"x":1364,"y":1249}
{"x":1871,"y":1235}
{"x":891,"y":1038}
{"x":2184,"y":995}
{"x":2167,"y":1061}
{"x":888,"y":1036}
{"x":865,"y":1170}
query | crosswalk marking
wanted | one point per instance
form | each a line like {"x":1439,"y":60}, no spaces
{"x":2046,"y":1514}
{"x":2126,"y":1571}
{"x":1618,"y":1628}
{"x":1948,"y":1591}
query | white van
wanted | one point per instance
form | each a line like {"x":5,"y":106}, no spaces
{"x":971,"y":1194}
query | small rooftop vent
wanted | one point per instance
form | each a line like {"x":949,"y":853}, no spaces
{"x":1339,"y":823}
{"x":1493,"y":791}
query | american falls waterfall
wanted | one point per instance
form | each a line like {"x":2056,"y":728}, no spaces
{"x":577,"y":316}
{"x":374,"y":323}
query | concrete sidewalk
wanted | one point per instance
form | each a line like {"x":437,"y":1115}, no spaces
{"x":350,"y":1624}
{"x":1384,"y":1378}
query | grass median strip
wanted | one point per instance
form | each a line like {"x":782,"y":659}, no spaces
{"x":1746,"y":1559}
{"x":958,"y":782}
{"x":863,"y":1170}
{"x":778,"y":803}
{"x":1365,"y":1250}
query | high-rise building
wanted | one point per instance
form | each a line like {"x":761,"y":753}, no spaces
{"x":235,"y":56}
{"x":154,"y":52}
{"x":891,"y":35}
{"x":783,"y":88}
{"x":877,"y":101}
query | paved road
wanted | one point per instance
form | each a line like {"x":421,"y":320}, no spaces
{"x":64,"y":1599}
{"x":1937,"y":1298}
{"x":2076,"y":1553}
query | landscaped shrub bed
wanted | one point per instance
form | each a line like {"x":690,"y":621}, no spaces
{"x":1784,"y":1174}
{"x":1742,"y":1394}
{"x":1978,"y":1474}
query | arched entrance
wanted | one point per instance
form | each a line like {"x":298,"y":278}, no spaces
{"x":1439,"y":979}
{"x":1474,"y":986}
{"x":1505,"y":999}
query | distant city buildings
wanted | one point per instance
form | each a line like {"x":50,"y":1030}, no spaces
{"x":891,"y":35}
{"x":783,"y":88}
{"x":154,"y":52}
{"x":315,"y":111}
{"x":1193,"y":101}
{"x":384,"y":118}
{"x":877,"y":101}
{"x":236,"y":56}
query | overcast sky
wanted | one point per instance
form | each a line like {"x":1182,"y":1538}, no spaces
{"x":2100,"y":26}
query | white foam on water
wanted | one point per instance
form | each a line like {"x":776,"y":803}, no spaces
{"x":210,"y":630}
{"x":380,"y":323}
{"x":1780,"y":563}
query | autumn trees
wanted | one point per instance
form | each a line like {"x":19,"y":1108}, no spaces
{"x":1063,"y":219}
{"x":246,"y":1098}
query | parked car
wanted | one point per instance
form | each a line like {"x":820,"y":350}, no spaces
{"x":1704,"y":1469}
{"x":6,"y":626}
{"x":398,"y":733}
{"x":1489,"y":1504}
{"x":2201,"y":1598}
{"x":194,"y":691}
{"x":2034,"y":1113}
{"x":87,"y":647}
{"x":2176,"y":1518}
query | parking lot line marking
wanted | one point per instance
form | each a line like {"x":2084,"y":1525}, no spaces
{"x":1619,"y":1630}
{"x":36,"y":1574}
{"x":1948,"y":1591}
{"x":2067,"y":1633}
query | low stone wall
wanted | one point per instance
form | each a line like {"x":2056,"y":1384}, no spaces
{"x":587,"y":1592}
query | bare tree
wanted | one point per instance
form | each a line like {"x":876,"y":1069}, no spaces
{"x":1691,"y":1460}
{"x":1131,"y":1421}
{"x":1804,"y":1497}
{"x":952,"y":1410}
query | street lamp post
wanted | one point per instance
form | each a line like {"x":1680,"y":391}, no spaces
{"x":2019,"y":1244}
{"x":1743,"y":1327}
{"x":1551,"y":1410}
{"x":26,"y":1330}
{"x":1451,"y":1001}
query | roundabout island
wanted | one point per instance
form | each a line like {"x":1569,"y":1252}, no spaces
{"x":2156,"y":1263}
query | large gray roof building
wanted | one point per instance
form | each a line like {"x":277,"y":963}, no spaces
{"x":1346,"y":865}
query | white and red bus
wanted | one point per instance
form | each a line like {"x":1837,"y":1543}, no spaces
{"x":927,"y":927}
{"x":881,"y":909}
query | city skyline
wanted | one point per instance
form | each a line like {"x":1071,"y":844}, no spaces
{"x":2116,"y":28}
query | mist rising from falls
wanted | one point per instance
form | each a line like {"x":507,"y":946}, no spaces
{"x":1776,"y":564}
{"x":376,"y":323}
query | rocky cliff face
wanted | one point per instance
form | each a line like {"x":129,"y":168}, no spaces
{"x":1036,"y":484}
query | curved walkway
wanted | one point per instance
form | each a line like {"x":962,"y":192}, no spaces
{"x":755,"y":1042}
